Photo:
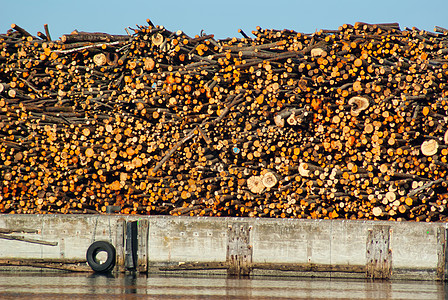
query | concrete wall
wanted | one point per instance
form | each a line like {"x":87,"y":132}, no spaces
{"x":187,"y":239}
{"x":417,"y":249}
{"x":74,"y":234}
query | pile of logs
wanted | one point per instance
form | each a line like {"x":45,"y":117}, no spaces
{"x":348,"y":123}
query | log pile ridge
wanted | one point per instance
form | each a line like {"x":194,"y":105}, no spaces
{"x":348,"y":123}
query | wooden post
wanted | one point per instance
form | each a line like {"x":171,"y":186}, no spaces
{"x":142,"y":256}
{"x":120,"y":245}
{"x":239,"y":250}
{"x":442,"y":265}
{"x":378,"y":254}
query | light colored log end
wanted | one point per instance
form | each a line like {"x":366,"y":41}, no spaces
{"x":269,"y":180}
{"x":429,"y":147}
{"x":255,"y":184}
{"x":279,"y":121}
{"x":100,"y":59}
{"x":318,"y":52}
{"x":292,"y":120}
{"x":358,"y":105}
{"x":303,"y":170}
{"x":149,"y":64}
{"x":377,"y":211}
{"x":157,"y":39}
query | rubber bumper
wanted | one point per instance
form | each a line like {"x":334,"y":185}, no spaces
{"x":94,"y":263}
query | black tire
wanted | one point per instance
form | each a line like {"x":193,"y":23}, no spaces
{"x":94,"y":249}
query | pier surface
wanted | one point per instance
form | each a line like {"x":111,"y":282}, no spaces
{"x":241,"y":246}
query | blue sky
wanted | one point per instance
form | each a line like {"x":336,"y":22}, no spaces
{"x":222,"y":18}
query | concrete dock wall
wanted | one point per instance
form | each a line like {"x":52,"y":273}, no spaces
{"x":396,"y":250}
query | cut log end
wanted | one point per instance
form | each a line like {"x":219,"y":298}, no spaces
{"x":318,"y":52}
{"x":279,"y":121}
{"x":377,"y":211}
{"x":303,"y":170}
{"x":157,"y":39}
{"x":100,"y":59}
{"x":255,"y":184}
{"x":429,"y":147}
{"x":358,"y":105}
{"x":291,"y":120}
{"x":149,"y":64}
{"x":269,"y":180}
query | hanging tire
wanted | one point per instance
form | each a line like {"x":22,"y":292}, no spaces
{"x":94,"y":263}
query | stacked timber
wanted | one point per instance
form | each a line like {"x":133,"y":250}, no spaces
{"x":348,"y":123}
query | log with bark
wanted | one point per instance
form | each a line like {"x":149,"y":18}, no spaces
{"x":347,"y":123}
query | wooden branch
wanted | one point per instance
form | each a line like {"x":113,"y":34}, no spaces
{"x":20,"y":29}
{"x":17,"y":230}
{"x":425,"y":186}
{"x":47,"y":32}
{"x":27,"y":240}
{"x":87,"y":47}
{"x":196,"y":266}
{"x":55,"y":264}
{"x":188,"y":136}
{"x":310,"y":267}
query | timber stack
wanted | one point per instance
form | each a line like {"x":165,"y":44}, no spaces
{"x":348,"y":123}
